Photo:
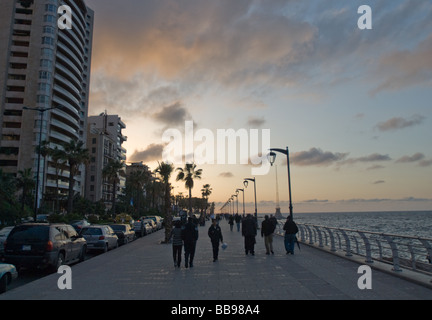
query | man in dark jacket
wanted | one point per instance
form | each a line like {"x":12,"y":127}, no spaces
{"x":267,"y":229}
{"x":249,"y":232}
{"x":291,"y":229}
{"x":215,"y":234}
{"x":190,"y":237}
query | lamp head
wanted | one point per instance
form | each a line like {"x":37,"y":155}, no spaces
{"x":271,"y":157}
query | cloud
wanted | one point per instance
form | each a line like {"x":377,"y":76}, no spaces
{"x":255,"y":122}
{"x":317,"y":157}
{"x":415,"y":157}
{"x":172,"y":116}
{"x":379,"y":182}
{"x":404,"y":68}
{"x":400,"y":123}
{"x":226,"y":174}
{"x":425,"y":163}
{"x":151,"y":153}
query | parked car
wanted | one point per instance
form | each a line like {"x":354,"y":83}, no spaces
{"x":152,"y":224}
{"x":8,"y":272}
{"x":124,"y":233}
{"x":139,"y":228}
{"x":3,"y":236}
{"x":100,"y":237}
{"x":158,"y":221}
{"x":148,"y":228}
{"x":79,"y":224}
{"x":143,"y":227}
{"x":40,"y":245}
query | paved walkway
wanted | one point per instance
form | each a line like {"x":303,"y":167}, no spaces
{"x":144,"y":270}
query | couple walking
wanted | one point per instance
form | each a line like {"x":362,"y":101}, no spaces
{"x":187,"y":235}
{"x":269,"y":225}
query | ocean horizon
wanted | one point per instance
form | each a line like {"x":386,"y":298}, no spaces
{"x":407,"y":223}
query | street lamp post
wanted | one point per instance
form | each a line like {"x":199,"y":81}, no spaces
{"x":272,"y":158}
{"x":242,"y":190}
{"x":235,"y":195}
{"x":245,"y":183}
{"x":41,"y":112}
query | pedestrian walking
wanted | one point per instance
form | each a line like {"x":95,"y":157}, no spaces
{"x":215,"y":234}
{"x":231,"y":222}
{"x":190,"y":237}
{"x":291,"y":230}
{"x":267,"y":229}
{"x":249,"y":232}
{"x":238,"y":220}
{"x":177,"y":243}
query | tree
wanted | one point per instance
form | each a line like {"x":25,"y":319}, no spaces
{"x":188,"y":174}
{"x":56,"y":157}
{"x":133,"y":197}
{"x":111,"y":172}
{"x":75,"y":154}
{"x":165,"y":170}
{"x":206,"y":192}
{"x":9,"y":208}
{"x":25,"y":182}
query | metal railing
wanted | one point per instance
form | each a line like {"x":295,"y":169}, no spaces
{"x":414,"y":253}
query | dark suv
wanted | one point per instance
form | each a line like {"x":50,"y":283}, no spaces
{"x":40,"y":245}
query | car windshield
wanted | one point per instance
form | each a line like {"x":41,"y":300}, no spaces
{"x":4,"y":232}
{"x":117,"y":227}
{"x":91,"y":232}
{"x":30,"y":233}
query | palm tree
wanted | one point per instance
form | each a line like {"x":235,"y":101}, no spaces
{"x":25,"y":182}
{"x":188,"y":174}
{"x":75,"y":154}
{"x":56,"y":157}
{"x":111,"y":172}
{"x":206,"y":192}
{"x":165,"y":170}
{"x":135,"y":184}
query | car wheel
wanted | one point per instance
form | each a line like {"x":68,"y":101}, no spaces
{"x":106,"y":248}
{"x":82,"y":254}
{"x":59,"y":262}
{"x":3,"y":283}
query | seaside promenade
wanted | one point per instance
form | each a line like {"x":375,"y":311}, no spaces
{"x":144,"y":270}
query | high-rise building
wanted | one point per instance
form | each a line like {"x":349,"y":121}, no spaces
{"x":43,"y":65}
{"x":104,"y":141}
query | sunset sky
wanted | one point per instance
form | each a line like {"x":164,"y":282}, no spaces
{"x":353,"y":106}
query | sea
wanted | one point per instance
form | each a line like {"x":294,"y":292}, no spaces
{"x":407,"y":223}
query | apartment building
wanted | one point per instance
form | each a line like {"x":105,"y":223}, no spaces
{"x":105,"y":142}
{"x":44,"y":86}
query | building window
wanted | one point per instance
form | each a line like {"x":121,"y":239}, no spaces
{"x":49,"y":18}
{"x":9,"y":151}
{"x":15,"y":88}
{"x":10,"y":137}
{"x":8,"y":163}
{"x":48,"y":29}
{"x":19,"y":54}
{"x":44,"y":63}
{"x":16,"y":77}
{"x":45,"y":75}
{"x":48,"y":40}
{"x":18,"y":66}
{"x":15,"y":100}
